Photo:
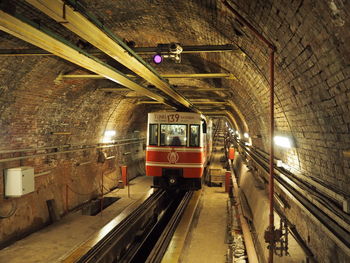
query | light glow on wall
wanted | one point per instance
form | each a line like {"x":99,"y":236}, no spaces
{"x":108,"y":136}
{"x":283,"y":141}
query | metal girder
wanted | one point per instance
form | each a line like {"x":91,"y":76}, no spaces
{"x":113,"y":89}
{"x":178,"y":89}
{"x":148,"y":102}
{"x":210,"y":102}
{"x":46,"y":40}
{"x":103,"y":39}
{"x":187,"y":49}
{"x":202,"y":89}
{"x":138,"y":50}
{"x":200,"y":75}
{"x":168,"y":76}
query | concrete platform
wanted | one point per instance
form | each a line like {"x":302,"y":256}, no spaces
{"x":56,"y":241}
{"x":206,"y":240}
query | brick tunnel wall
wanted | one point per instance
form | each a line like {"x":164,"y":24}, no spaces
{"x":32,"y":107}
{"x":312,"y":73}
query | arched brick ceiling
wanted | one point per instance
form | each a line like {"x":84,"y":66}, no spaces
{"x":312,"y":74}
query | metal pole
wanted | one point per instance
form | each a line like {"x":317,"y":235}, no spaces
{"x":272,"y":128}
{"x":67,"y":198}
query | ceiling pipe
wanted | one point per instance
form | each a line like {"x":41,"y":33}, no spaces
{"x":73,"y":16}
{"x":138,"y":50}
{"x":61,"y":77}
{"x":273,"y":49}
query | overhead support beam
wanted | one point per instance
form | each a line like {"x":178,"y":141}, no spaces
{"x":48,"y":41}
{"x":80,"y":22}
{"x":163,"y":48}
{"x":210,"y":102}
{"x":200,"y":76}
{"x":202,"y":89}
{"x":346,"y":154}
{"x":114,"y":89}
{"x":138,"y":50}
{"x":167,"y":76}
{"x":178,"y":89}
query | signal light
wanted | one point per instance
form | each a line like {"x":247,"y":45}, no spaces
{"x":157,"y":58}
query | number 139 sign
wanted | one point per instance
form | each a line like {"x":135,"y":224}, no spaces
{"x":173,"y":118}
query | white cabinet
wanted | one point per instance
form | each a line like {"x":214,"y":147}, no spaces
{"x":19,"y":181}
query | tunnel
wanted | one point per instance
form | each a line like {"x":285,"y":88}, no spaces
{"x":78,"y":78}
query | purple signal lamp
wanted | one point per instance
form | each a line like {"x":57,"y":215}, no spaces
{"x":157,"y":58}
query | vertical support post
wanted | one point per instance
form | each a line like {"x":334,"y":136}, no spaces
{"x":231,"y":154}
{"x":272,"y":47}
{"x":125,"y":175}
{"x":227,"y":181}
{"x":101,"y":200}
{"x":272,"y":129}
{"x":67,"y":198}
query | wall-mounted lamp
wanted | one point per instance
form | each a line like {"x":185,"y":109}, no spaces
{"x":108,"y":135}
{"x":246,"y":135}
{"x":283,"y":141}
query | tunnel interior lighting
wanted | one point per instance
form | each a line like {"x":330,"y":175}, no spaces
{"x":283,"y":141}
{"x":246,"y":135}
{"x":108,"y":136}
{"x":157,"y":58}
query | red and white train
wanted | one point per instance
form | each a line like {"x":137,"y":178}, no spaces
{"x":178,"y":148}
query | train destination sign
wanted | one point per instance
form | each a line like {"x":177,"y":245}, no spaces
{"x":174,"y":117}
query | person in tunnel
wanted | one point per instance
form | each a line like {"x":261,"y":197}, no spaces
{"x":176,"y":141}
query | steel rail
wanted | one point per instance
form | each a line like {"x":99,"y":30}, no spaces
{"x":331,"y":223}
{"x":316,"y":197}
{"x":160,"y":247}
{"x":74,"y":17}
{"x":103,"y":246}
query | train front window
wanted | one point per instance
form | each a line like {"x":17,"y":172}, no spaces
{"x":194,"y":135}
{"x":173,"y":135}
{"x":153,"y":134}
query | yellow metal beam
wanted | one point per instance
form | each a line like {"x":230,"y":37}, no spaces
{"x":26,"y":32}
{"x":104,"y":40}
{"x":114,"y":89}
{"x":346,"y":154}
{"x":200,"y":75}
{"x":202,"y":89}
{"x":148,"y":102}
{"x":210,"y":102}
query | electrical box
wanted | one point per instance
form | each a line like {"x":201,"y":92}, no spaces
{"x":19,"y":181}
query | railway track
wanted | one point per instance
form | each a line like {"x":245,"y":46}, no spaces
{"x":321,"y":208}
{"x":141,"y":234}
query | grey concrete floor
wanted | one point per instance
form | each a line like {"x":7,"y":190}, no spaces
{"x":206,"y":240}
{"x":54,"y":242}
